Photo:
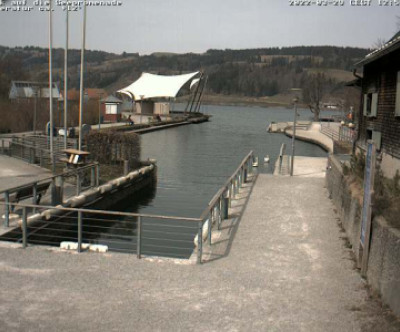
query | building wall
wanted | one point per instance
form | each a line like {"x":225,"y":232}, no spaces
{"x":382,"y":76}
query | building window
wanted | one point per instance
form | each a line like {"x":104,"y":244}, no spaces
{"x":397,"y":109}
{"x":111,"y":109}
{"x":371,"y":104}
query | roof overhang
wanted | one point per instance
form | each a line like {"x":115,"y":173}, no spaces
{"x":150,"y":86}
{"x":379,"y":53}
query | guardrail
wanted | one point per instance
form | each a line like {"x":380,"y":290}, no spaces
{"x":337,"y":132}
{"x":35,"y":149}
{"x":128,"y":232}
{"x":82,"y":178}
{"x":281,"y":154}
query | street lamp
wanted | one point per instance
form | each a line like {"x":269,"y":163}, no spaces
{"x":295,"y":101}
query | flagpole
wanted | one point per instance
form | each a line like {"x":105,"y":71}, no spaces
{"x":82,"y":72}
{"x":66,"y":78}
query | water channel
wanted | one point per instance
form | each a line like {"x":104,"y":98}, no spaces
{"x":194,"y":161}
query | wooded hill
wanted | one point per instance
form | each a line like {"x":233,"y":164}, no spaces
{"x":250,"y":72}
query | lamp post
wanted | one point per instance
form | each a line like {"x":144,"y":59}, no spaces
{"x":35,"y":94}
{"x":51,"y":84}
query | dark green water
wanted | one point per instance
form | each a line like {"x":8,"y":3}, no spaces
{"x":195,"y":160}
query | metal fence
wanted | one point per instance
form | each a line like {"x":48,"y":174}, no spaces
{"x":337,"y":132}
{"x":35,"y":149}
{"x":142,"y":234}
{"x":74,"y":181}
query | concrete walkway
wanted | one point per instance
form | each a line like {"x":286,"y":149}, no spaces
{"x":283,"y":267}
{"x":313,"y":135}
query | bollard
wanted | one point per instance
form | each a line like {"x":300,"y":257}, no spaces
{"x":199,"y":242}
{"x":126,"y":167}
{"x":79,"y":231}
{"x":139,"y":238}
{"x":24,"y":229}
{"x":7,"y":209}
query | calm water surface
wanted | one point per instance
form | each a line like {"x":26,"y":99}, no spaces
{"x":195,"y":161}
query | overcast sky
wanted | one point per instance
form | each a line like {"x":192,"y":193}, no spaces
{"x":148,"y":26}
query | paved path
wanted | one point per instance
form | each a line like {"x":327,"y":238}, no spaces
{"x":284,"y":267}
{"x":314,"y":135}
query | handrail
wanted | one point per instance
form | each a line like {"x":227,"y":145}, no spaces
{"x":103,"y":212}
{"x":221,"y":191}
{"x":50,"y":178}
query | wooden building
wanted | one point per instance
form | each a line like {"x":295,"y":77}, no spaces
{"x":379,"y":116}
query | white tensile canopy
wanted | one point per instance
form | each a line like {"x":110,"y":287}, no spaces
{"x":156,"y":86}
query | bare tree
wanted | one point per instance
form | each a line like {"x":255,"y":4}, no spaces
{"x":379,"y":43}
{"x":314,"y":89}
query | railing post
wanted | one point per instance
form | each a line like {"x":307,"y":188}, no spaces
{"x":24,"y":228}
{"x":139,"y":238}
{"x":199,"y":242}
{"x":230,"y":194}
{"x":210,"y":222}
{"x":78,"y":183}
{"x":97,"y":175}
{"x":93,"y":176}
{"x":34,"y":199}
{"x":7,"y":209}
{"x":219,"y":213}
{"x":225,"y":206}
{"x":126,"y":167}
{"x":53,"y":191}
{"x":41,"y":157}
{"x":79,"y":231}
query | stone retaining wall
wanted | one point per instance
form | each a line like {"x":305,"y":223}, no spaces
{"x":383,"y":273}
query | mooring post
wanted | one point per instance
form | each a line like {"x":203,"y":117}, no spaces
{"x":7,"y":209}
{"x":79,"y":231}
{"x":139,"y":237}
{"x":199,"y":242}
{"x":24,"y":229}
{"x":126,"y":167}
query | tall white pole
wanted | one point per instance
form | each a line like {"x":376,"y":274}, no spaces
{"x":66,"y":78}
{"x":82,"y":72}
{"x":51,"y":81}
{"x":293,"y":137}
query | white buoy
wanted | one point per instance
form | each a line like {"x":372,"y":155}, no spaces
{"x":266,"y":159}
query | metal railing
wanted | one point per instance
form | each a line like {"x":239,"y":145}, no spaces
{"x":81,"y":178}
{"x":143,"y":234}
{"x":337,"y":132}
{"x":35,"y":149}
{"x":281,"y":154}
